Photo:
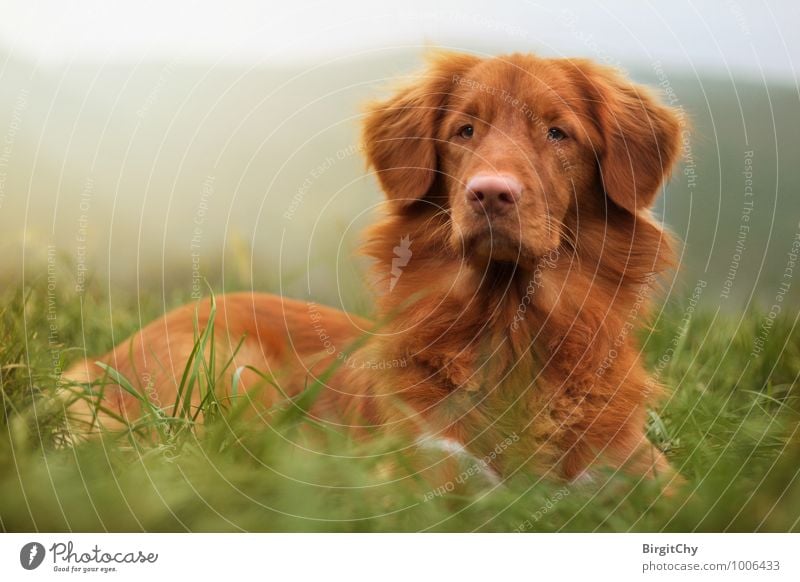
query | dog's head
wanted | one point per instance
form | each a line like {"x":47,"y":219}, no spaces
{"x":509,"y":146}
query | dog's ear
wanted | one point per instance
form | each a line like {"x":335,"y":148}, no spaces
{"x":399,"y":134}
{"x":639,"y":138}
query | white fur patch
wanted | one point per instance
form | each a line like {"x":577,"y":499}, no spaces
{"x":584,"y":479}
{"x":458,"y":450}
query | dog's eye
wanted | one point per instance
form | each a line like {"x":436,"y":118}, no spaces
{"x":556,"y":134}
{"x":466,"y":131}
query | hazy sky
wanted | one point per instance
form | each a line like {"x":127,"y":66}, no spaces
{"x":747,"y":37}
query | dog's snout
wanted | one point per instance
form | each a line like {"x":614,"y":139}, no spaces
{"x":493,"y":194}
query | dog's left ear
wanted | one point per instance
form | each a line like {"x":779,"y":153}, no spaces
{"x":399,"y":133}
{"x":639,"y":137}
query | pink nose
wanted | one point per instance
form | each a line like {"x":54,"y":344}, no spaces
{"x":493,"y":194}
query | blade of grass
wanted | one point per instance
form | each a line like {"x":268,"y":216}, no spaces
{"x":124,"y":383}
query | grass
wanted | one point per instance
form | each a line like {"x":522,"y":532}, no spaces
{"x":730,"y":426}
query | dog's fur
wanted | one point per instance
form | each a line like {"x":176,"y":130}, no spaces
{"x":489,"y":326}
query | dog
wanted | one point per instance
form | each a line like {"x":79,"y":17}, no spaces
{"x":512,"y":265}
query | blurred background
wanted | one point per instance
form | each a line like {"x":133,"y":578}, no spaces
{"x":149,"y":145}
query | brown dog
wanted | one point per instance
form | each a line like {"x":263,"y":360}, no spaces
{"x":513,"y":262}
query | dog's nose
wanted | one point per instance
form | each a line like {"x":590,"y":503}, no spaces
{"x":493,"y":194}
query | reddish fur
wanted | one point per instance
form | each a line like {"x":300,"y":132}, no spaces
{"x":475,"y":371}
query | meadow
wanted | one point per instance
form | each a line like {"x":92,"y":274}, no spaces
{"x":730,"y":426}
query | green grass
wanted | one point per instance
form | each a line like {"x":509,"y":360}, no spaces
{"x":730,"y":427}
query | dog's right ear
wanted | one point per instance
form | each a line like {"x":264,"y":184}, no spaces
{"x":400,"y":133}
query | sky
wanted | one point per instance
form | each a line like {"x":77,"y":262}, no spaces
{"x":752,"y":38}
